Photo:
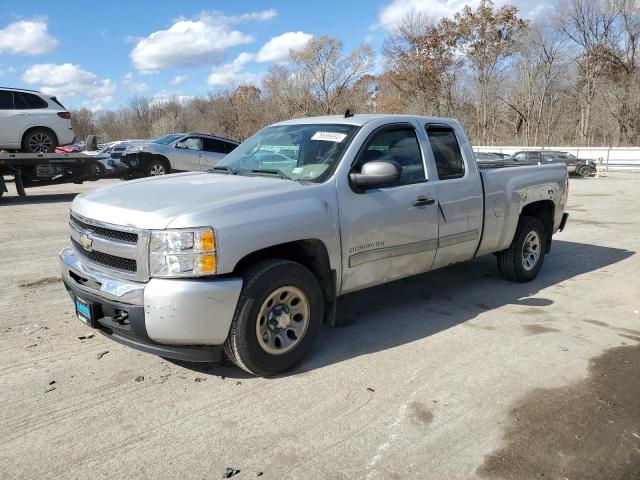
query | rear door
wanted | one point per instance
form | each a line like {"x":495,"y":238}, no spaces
{"x":187,"y":154}
{"x":14,"y":121}
{"x":390,"y":232}
{"x":459,"y":195}
{"x":9,"y":134}
{"x":213,"y":151}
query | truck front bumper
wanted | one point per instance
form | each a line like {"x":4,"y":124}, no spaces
{"x":184,"y":319}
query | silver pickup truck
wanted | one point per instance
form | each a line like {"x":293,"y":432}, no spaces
{"x":250,"y":256}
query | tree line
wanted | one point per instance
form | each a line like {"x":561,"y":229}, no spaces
{"x":570,"y":79}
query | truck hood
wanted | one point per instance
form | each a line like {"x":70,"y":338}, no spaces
{"x":155,"y":202}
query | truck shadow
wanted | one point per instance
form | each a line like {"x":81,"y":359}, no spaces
{"x":400,"y":312}
{"x":406,"y":310}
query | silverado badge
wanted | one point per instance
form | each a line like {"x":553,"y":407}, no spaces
{"x":86,"y":242}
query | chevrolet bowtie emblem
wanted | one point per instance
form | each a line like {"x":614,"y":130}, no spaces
{"x":86,"y":242}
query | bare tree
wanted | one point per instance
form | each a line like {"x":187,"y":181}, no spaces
{"x":326,"y":74}
{"x":539,"y":70}
{"x":421,"y":64}
{"x":487,"y":37}
{"x":589,"y":25}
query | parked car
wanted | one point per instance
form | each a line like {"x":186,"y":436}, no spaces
{"x":583,"y":167}
{"x":109,"y":154}
{"x":487,"y":157}
{"x":251,"y":255}
{"x":33,"y":122}
{"x":177,"y":152}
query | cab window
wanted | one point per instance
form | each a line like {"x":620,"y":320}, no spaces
{"x":24,"y":100}
{"x":446,"y":152}
{"x":213,"y":145}
{"x":398,"y":145}
{"x":191,"y":143}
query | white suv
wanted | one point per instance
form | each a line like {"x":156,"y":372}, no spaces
{"x":33,"y":122}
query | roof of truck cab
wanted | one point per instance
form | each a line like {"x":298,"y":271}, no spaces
{"x":361,"y":119}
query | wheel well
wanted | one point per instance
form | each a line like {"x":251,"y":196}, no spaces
{"x":544,"y":211}
{"x":33,"y":129}
{"x":311,"y":253}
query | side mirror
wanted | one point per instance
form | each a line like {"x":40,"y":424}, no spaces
{"x":376,"y":174}
{"x":181,"y":145}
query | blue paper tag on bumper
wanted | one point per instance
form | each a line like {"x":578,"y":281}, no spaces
{"x":83,"y":310}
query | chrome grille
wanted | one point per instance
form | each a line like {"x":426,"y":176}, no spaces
{"x":107,"y":248}
{"x":106,"y":232}
{"x":110,"y":261}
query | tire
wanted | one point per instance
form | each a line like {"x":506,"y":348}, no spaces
{"x":585,"y":171}
{"x":156,"y":167}
{"x":257,"y":324}
{"x":522,"y":261}
{"x":39,"y":141}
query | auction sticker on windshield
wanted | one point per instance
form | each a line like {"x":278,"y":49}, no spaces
{"x":329,"y":136}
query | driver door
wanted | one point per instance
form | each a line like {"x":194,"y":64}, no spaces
{"x":390,"y":232}
{"x":187,"y":154}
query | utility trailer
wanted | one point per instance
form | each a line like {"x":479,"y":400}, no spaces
{"x":40,"y":169}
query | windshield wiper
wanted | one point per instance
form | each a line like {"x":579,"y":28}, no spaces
{"x":271,"y":171}
{"x":222,"y":168}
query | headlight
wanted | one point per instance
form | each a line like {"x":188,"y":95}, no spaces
{"x":182,"y":253}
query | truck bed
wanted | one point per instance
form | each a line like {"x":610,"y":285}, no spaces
{"x":506,"y":189}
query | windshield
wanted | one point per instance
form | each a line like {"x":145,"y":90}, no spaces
{"x":297,"y":152}
{"x":167,"y":139}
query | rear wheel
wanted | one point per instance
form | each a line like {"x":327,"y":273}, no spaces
{"x":522,"y":261}
{"x":39,"y":141}
{"x":99,"y":168}
{"x":278,"y":317}
{"x":585,"y":171}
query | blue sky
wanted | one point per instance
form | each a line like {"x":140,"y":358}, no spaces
{"x":100,"y":54}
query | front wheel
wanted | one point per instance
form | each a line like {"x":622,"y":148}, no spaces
{"x":278,"y":317}
{"x":522,"y":261}
{"x":156,"y":167}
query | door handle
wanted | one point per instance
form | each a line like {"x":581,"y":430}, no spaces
{"x":422,"y":201}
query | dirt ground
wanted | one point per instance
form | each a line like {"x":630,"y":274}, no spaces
{"x":457,"y":374}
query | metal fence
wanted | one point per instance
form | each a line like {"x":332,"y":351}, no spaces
{"x":613,"y":158}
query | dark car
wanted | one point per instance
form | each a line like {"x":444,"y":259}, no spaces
{"x":582,"y":167}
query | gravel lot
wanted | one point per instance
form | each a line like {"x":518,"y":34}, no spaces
{"x":457,"y":374}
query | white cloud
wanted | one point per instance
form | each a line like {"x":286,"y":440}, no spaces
{"x":193,"y":42}
{"x":178,"y":79}
{"x":277,"y":49}
{"x":231,"y":74}
{"x":251,"y":16}
{"x":69,"y":80}
{"x":27,"y":37}
{"x":133,"y":85}
{"x":391,"y":15}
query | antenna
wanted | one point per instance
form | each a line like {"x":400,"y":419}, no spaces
{"x":348,"y":113}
